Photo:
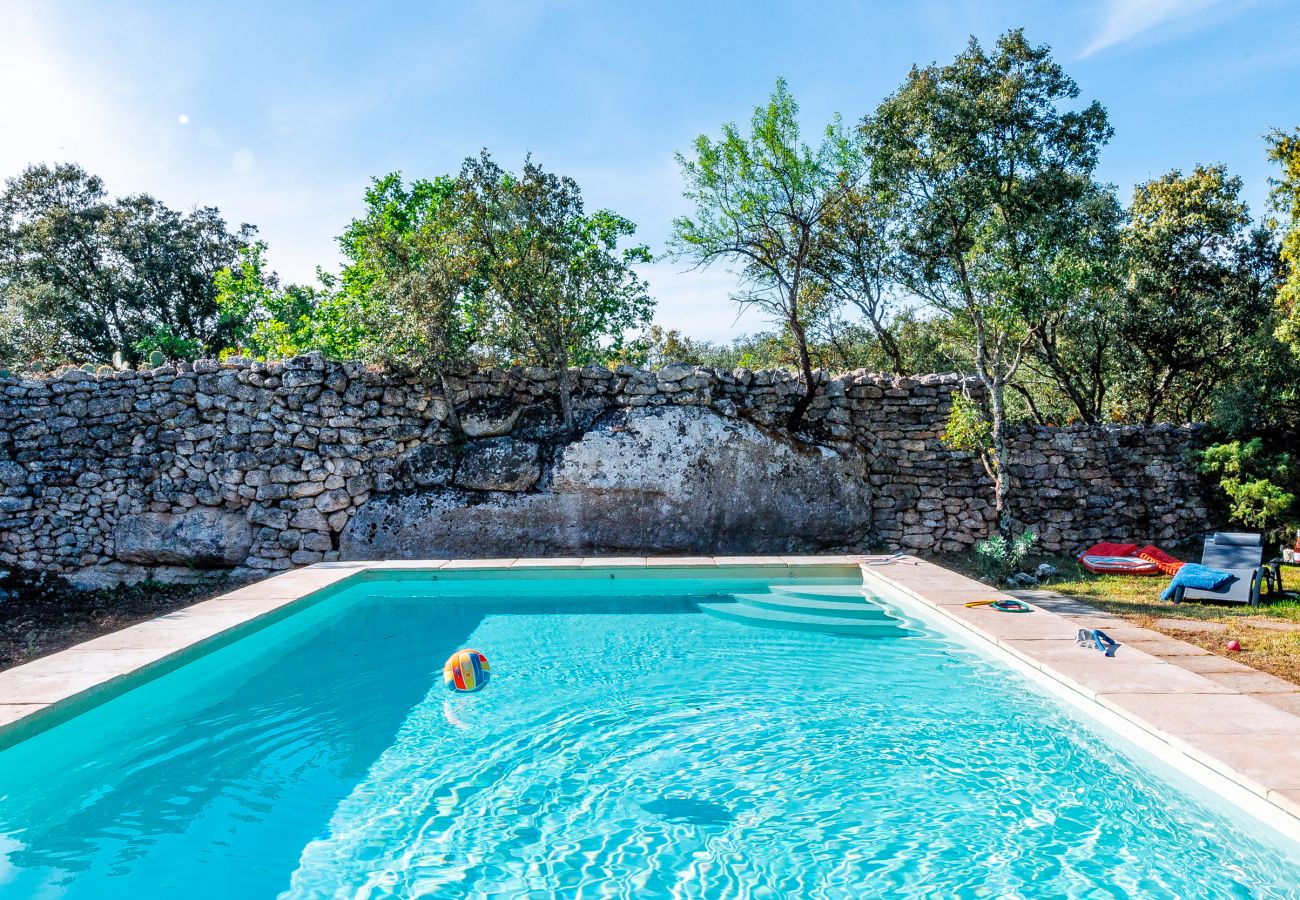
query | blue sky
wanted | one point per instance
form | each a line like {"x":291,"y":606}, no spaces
{"x":279,"y":113}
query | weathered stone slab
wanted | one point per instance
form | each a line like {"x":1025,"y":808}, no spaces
{"x":499,"y":464}
{"x":201,"y":538}
{"x":675,"y":479}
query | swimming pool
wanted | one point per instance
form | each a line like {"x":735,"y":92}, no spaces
{"x":627,"y":745}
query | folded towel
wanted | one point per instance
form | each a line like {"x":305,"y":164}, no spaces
{"x":1197,"y":577}
{"x":1163,"y":561}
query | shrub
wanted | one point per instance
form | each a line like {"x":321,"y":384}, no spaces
{"x":1000,"y":557}
{"x":1260,"y":486}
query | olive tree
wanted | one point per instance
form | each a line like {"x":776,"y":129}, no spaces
{"x":415,"y":267}
{"x":559,"y":291}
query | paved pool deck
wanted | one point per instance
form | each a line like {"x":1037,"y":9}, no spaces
{"x":1214,"y":715}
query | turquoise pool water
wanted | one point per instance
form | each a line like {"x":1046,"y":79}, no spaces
{"x":627,"y":746}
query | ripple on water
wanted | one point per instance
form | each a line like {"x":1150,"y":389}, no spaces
{"x":679,"y":756}
{"x":623,"y":749}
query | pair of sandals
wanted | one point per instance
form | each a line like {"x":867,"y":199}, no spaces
{"x":1098,"y":639}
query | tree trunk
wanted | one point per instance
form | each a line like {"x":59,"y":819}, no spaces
{"x":892,"y":349}
{"x":565,"y":382}
{"x":1047,"y":351}
{"x":997,"y":405}
{"x":805,"y":374}
{"x":453,"y":417}
{"x":1033,"y":407}
{"x":1157,"y":397}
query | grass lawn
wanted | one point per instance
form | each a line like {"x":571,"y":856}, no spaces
{"x":1269,"y":633}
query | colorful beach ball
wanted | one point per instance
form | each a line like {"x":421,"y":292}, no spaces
{"x":466,"y":671}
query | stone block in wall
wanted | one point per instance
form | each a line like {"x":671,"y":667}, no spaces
{"x":498,"y":464}
{"x":200,"y":538}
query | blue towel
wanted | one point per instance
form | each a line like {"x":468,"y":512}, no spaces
{"x":1198,"y":577}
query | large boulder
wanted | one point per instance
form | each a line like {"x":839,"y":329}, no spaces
{"x":660,"y":480}
{"x":499,"y":464}
{"x":200,"y":538}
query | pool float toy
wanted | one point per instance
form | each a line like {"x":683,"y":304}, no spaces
{"x":1096,"y":638}
{"x":1009,"y":605}
{"x":466,"y":671}
{"x":975,"y":603}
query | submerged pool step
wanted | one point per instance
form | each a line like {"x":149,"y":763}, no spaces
{"x":827,"y":624}
{"x":836,"y":605}
{"x":821,"y":591}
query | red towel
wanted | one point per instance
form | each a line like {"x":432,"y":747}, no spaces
{"x":1164,"y":562}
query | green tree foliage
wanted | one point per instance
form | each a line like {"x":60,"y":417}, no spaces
{"x":838,"y":346}
{"x":83,"y":276}
{"x":1073,"y":325}
{"x":1199,"y":285}
{"x":989,"y":168}
{"x":418,"y":276}
{"x":762,"y":202}
{"x":559,"y":292}
{"x":969,"y":430}
{"x":1284,"y":149}
{"x":267,"y":321}
{"x":855,"y":257}
{"x":1261,"y":487}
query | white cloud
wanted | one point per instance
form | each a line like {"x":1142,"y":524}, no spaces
{"x":1127,"y":19}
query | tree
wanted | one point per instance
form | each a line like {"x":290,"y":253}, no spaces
{"x":413,"y":258}
{"x":265,"y":320}
{"x":1074,"y":344}
{"x":854,"y":256}
{"x":104,"y":276}
{"x":1200,"y":282}
{"x":987,"y":171}
{"x":1261,"y":488}
{"x":1284,"y":149}
{"x":762,"y":202}
{"x":559,"y":291}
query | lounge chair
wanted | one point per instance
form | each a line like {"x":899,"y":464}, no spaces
{"x":1240,"y":554}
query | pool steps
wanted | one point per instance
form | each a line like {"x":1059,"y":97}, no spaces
{"x":813,"y":606}
{"x":829,"y":609}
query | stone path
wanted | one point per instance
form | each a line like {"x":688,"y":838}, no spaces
{"x":1276,"y":692}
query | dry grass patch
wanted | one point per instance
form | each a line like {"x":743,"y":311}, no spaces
{"x":1266,"y":649}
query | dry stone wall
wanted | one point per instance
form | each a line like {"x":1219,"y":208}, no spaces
{"x":172,"y":472}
